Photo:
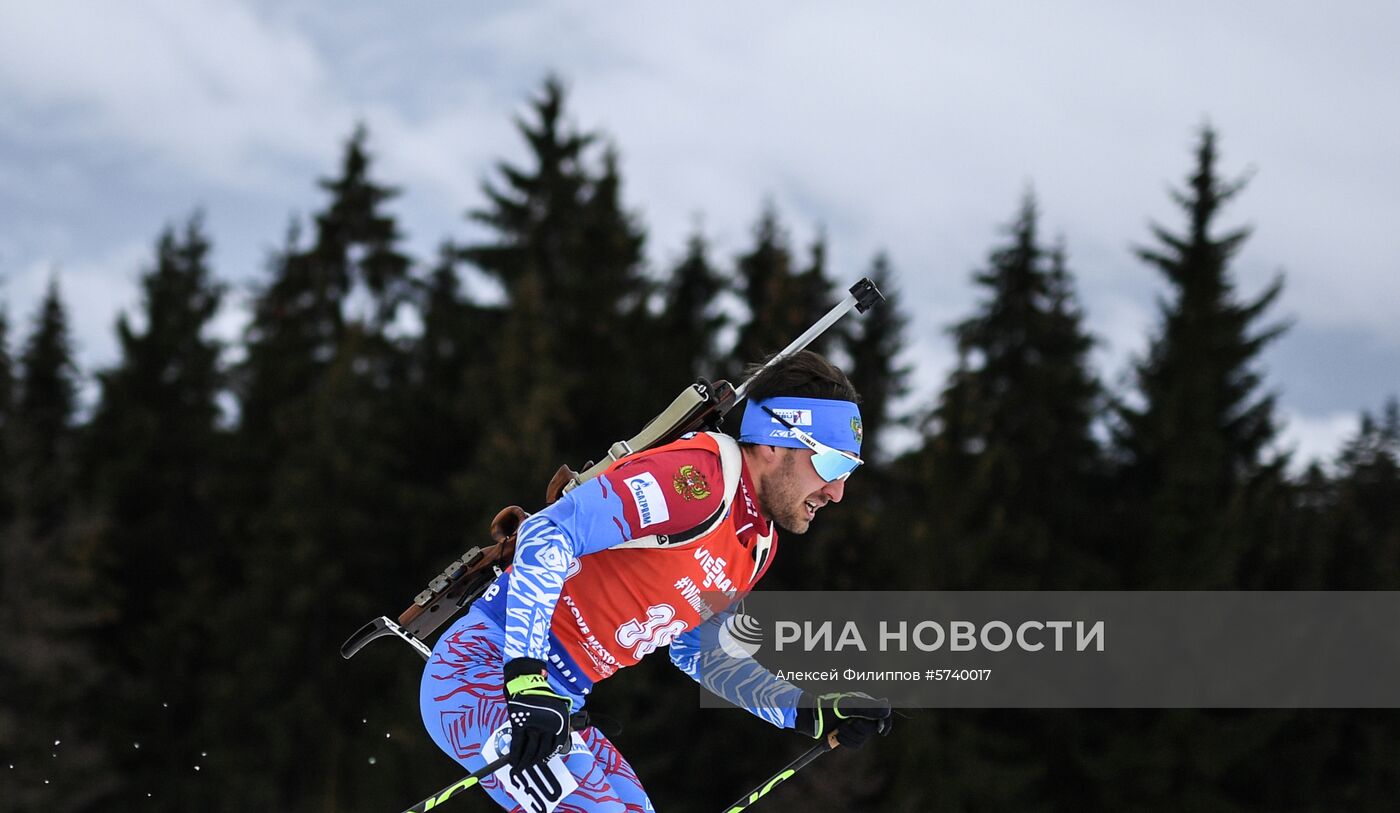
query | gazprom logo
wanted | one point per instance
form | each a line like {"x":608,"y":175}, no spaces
{"x":650,"y":499}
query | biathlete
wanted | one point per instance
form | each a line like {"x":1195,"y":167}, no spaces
{"x":638,"y":559}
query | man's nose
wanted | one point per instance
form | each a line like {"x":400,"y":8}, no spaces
{"x":835,"y":491}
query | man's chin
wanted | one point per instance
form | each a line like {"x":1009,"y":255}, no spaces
{"x":796,"y":526}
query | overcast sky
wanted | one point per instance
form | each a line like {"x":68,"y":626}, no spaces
{"x":912,"y":128}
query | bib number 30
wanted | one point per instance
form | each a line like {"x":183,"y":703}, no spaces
{"x":541,"y":787}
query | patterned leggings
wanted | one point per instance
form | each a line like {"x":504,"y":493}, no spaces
{"x":461,"y":701}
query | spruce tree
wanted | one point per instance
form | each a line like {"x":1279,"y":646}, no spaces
{"x":1194,"y":449}
{"x":323,"y":457}
{"x":153,"y":442}
{"x":813,"y":295}
{"x":690,"y":322}
{"x":152,"y":454}
{"x":782,"y":299}
{"x":1201,"y":503}
{"x":874,"y":345}
{"x":877,"y":504}
{"x":352,"y":273}
{"x":1013,"y":460}
{"x":443,"y":412}
{"x":7,"y":373}
{"x":7,"y":408}
{"x":1365,"y":530}
{"x":536,"y":203}
{"x":1008,"y":472}
{"x":614,"y":399}
{"x":51,"y":602}
{"x":570,"y":374}
{"x":765,"y":274}
{"x":579,"y":359}
{"x":1343,"y":533}
{"x":45,"y":410}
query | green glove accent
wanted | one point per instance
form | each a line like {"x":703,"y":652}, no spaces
{"x":854,"y":716}
{"x":539,"y":716}
{"x":528,"y":684}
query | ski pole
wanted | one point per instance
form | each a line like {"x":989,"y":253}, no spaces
{"x":863,"y":296}
{"x":777,"y":778}
{"x":459,"y":786}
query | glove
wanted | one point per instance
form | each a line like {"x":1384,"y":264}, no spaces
{"x":854,"y":716}
{"x":539,"y":716}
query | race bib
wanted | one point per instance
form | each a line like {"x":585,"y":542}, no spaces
{"x":539,"y":788}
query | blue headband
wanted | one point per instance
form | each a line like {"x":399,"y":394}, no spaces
{"x":835,"y":423}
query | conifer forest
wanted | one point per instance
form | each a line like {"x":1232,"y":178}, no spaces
{"x":181,"y":558}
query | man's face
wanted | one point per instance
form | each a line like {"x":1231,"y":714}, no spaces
{"x":791,"y":491}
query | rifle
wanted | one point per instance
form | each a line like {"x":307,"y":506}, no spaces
{"x":701,"y":406}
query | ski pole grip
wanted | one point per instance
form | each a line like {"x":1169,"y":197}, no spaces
{"x":866,"y":294}
{"x":862,"y":296}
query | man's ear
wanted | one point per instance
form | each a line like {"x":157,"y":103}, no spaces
{"x":763,"y":456}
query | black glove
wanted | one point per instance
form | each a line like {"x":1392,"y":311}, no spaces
{"x":854,"y":716}
{"x":539,"y":716}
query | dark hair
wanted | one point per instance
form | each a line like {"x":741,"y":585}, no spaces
{"x":802,"y":375}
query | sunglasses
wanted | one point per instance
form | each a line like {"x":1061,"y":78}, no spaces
{"x":831,"y":464}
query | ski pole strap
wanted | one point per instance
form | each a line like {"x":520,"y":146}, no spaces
{"x":827,"y":744}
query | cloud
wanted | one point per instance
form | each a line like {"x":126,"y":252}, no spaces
{"x":205,"y":85}
{"x":906,"y":127}
{"x":1316,"y":438}
{"x":92,"y":293}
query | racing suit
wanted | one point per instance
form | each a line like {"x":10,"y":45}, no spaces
{"x":650,"y":554}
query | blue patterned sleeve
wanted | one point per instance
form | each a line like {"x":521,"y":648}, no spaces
{"x":742,"y":681}
{"x":585,"y":520}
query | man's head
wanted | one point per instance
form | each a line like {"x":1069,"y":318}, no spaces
{"x":801,"y":402}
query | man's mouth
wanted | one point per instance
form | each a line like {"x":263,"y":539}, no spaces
{"x":811,"y":509}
